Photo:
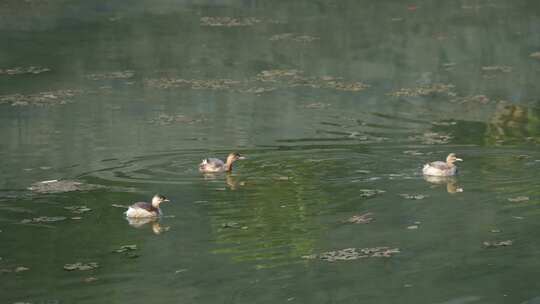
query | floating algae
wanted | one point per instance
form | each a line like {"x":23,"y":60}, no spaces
{"x":316,"y":105}
{"x":15,"y":270}
{"x":229,"y":21}
{"x":518,"y":199}
{"x":495,"y":244}
{"x":166,"y":119}
{"x":479,"y":99}
{"x":81,"y":266}
{"x":432,"y":138}
{"x":48,"y":98}
{"x":349,"y":254}
{"x":264,"y":82}
{"x":196,"y":84}
{"x":535,"y":55}
{"x":368,"y":193}
{"x":497,"y":68}
{"x":360,"y":219}
{"x":58,"y":186}
{"x":111,"y":75}
{"x":413,"y":152}
{"x":44,"y":219}
{"x":295,"y":78}
{"x":78,"y":209}
{"x":413,"y":196}
{"x":293,"y":37}
{"x":435,"y":89}
{"x":125,"y":248}
{"x":257,"y":90}
{"x":24,"y":70}
{"x":127,"y":251}
{"x":277,"y":75}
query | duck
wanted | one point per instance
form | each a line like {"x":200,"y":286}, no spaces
{"x":215,"y":165}
{"x":440,"y":168}
{"x":147,"y":210}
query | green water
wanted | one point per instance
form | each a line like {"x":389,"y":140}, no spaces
{"x":358,"y":95}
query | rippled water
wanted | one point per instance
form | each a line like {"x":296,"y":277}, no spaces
{"x":336,"y":104}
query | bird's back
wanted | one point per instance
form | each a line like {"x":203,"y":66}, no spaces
{"x":212,"y":165}
{"x":142,"y":209}
{"x":438,"y":168}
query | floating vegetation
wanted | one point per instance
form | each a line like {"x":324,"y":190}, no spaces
{"x":413,"y":196}
{"x":24,"y":70}
{"x":81,"y":266}
{"x":196,"y":84}
{"x":295,"y":78}
{"x":349,"y":254}
{"x":21,"y":269}
{"x":497,"y":68}
{"x":434,"y":89}
{"x":111,"y":75}
{"x":257,"y":90}
{"x":316,"y":105}
{"x":277,"y":75}
{"x":264,"y":82}
{"x":449,"y":66}
{"x":127,"y":250}
{"x":90,"y":279}
{"x":535,"y":55}
{"x":16,"y":270}
{"x":518,"y":199}
{"x":431,"y":138}
{"x":166,"y":119}
{"x":444,"y":123}
{"x":360,"y":219}
{"x":44,"y":219}
{"x":229,"y":21}
{"x":481,"y":99}
{"x":48,"y":98}
{"x":495,"y":244}
{"x":368,"y":193}
{"x":293,"y":37}
{"x":234,"y":225}
{"x":120,"y":206}
{"x":58,"y":186}
{"x":413,"y":152}
{"x":78,"y":209}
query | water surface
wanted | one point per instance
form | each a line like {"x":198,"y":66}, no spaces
{"x":329,"y":100}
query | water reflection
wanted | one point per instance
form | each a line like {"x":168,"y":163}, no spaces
{"x":139,"y":223}
{"x":233,"y":182}
{"x":513,"y":123}
{"x":450,"y":182}
{"x":317,"y":85}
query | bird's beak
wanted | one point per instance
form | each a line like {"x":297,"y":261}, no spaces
{"x":459,"y":159}
{"x":166,"y":200}
{"x":242,"y":157}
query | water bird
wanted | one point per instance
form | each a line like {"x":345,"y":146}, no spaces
{"x":214,"y":165}
{"x":146,"y":210}
{"x":440,"y":168}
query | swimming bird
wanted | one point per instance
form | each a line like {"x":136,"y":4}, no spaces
{"x":214,"y":165}
{"x":440,"y":168}
{"x":146,"y":210}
